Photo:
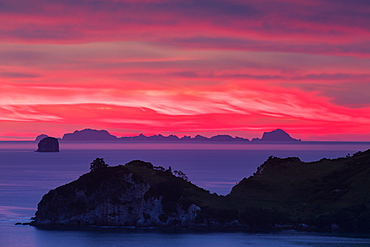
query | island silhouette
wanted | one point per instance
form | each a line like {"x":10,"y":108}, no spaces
{"x":93,"y":135}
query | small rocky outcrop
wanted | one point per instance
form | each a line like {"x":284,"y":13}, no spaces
{"x":48,"y":144}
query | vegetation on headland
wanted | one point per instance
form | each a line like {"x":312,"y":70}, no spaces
{"x":330,"y":194}
{"x":322,"y":195}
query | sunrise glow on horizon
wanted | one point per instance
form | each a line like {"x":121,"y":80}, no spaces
{"x":185,"y":67}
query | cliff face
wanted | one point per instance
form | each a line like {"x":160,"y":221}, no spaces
{"x":118,"y":196}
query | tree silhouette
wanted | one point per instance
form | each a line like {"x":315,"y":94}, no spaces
{"x":180,"y":174}
{"x":98,"y":163}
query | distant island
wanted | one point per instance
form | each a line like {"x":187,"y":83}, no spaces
{"x":92,"y":135}
{"x":284,"y":193}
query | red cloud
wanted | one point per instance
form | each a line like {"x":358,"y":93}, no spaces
{"x":186,"y":66}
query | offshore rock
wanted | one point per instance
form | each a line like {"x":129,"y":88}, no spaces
{"x":40,"y":137}
{"x":48,"y":144}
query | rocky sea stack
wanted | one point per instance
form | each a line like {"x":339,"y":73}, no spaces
{"x":326,"y":195}
{"x":48,"y":144}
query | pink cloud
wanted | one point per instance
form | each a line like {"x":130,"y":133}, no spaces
{"x":320,"y":26}
{"x":154,"y":112}
{"x":186,"y":66}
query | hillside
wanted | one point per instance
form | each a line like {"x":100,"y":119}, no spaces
{"x":135,"y":194}
{"x":324,"y":194}
{"x":282,"y":194}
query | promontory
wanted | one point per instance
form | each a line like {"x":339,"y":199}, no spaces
{"x":284,"y":193}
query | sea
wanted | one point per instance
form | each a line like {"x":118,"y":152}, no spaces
{"x":25,"y":176}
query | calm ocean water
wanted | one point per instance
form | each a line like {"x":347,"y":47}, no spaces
{"x":25,"y":176}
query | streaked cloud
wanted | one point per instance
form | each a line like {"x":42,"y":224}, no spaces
{"x":163,"y":66}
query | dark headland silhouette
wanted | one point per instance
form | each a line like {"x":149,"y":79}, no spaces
{"x":284,"y":193}
{"x":92,"y":135}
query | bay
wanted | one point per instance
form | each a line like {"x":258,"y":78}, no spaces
{"x":25,"y":176}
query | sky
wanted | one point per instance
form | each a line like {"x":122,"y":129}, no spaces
{"x":185,"y":67}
